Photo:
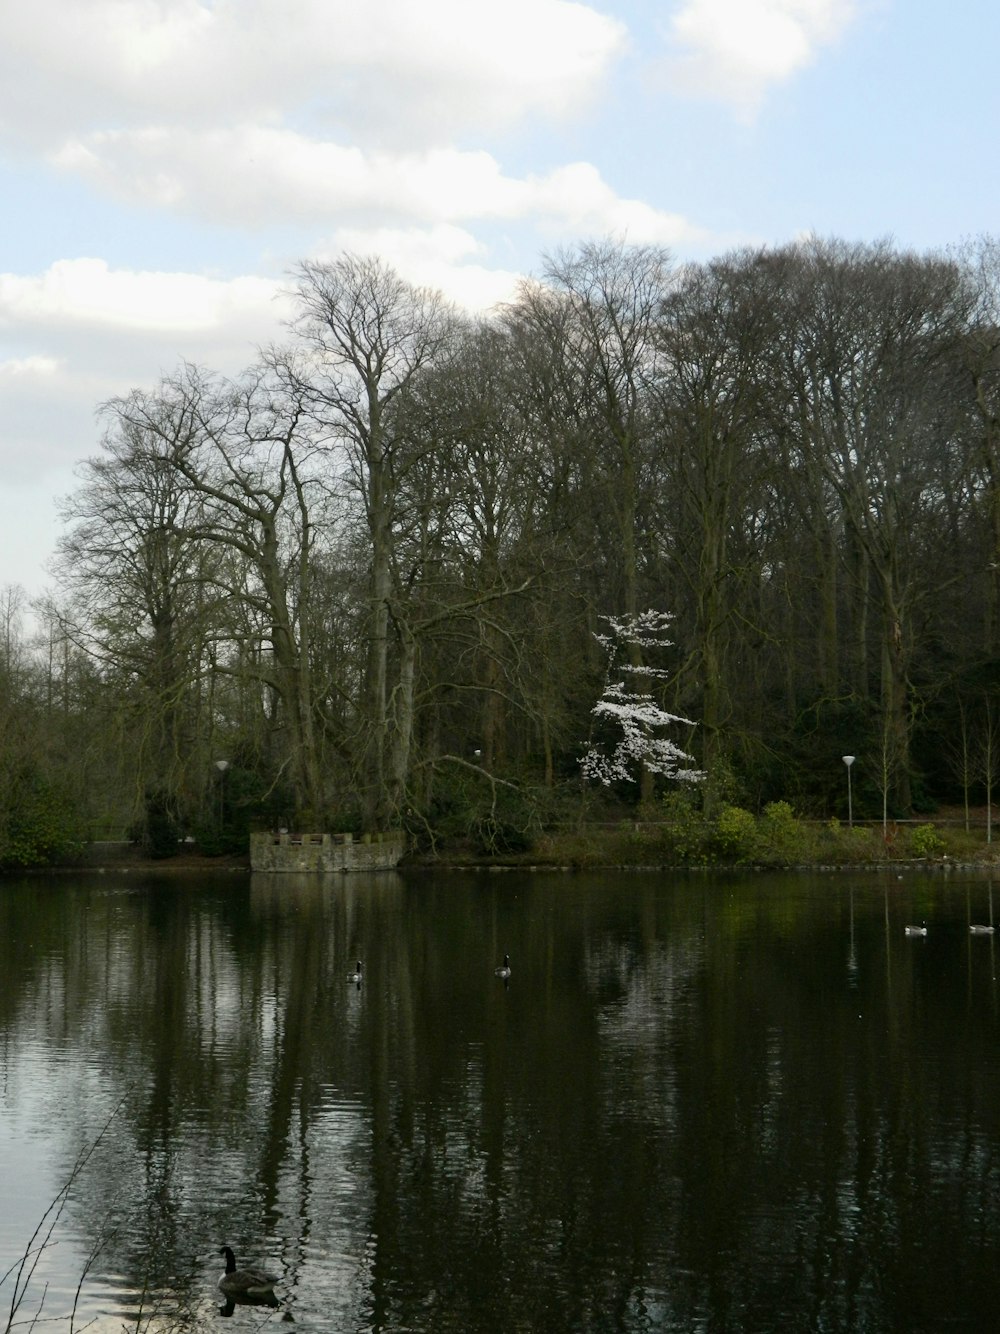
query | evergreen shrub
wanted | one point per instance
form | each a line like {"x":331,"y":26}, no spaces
{"x":687,"y":835}
{"x":925,"y":841}
{"x":38,"y":825}
{"x":736,"y":834}
{"x":160,"y":831}
{"x":781,"y":836}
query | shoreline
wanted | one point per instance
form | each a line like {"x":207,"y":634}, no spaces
{"x":193,"y":865}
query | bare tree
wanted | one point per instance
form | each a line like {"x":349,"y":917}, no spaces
{"x":241,"y":450}
{"x":867,"y":336}
{"x":137,"y":596}
{"x":712,"y":400}
{"x":598,"y":308}
{"x":364,"y":334}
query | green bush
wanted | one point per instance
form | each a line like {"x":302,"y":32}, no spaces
{"x":38,"y":825}
{"x":925,"y":841}
{"x":736,"y":834}
{"x":241,"y":800}
{"x":781,"y":836}
{"x":686,"y":837}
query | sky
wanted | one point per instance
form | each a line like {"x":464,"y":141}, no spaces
{"x":164,"y":164}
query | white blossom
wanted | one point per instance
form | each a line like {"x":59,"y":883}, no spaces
{"x":635,"y":712}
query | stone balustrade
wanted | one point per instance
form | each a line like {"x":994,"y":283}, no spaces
{"x":325,"y":852}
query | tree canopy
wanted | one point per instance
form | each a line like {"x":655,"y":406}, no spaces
{"x":369,"y":571}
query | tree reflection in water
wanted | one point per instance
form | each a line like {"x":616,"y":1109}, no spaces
{"x":688,"y":1113}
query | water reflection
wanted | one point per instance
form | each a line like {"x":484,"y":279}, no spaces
{"x":707,"y":1103}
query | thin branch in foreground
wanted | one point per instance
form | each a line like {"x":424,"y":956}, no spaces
{"x":23,"y":1269}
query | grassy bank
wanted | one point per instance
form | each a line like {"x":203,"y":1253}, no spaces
{"x":776,"y":838}
{"x":736,"y":837}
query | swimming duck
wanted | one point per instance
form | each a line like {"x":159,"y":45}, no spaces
{"x":916,"y":930}
{"x":252,"y":1286}
{"x":355,"y":977}
{"x":981,"y":930}
{"x":504,"y":969}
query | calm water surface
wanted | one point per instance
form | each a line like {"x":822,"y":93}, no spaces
{"x":708,"y":1103}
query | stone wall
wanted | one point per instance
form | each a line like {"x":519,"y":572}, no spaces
{"x":325,"y":852}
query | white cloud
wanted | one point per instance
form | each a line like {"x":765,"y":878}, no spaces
{"x":310,"y":113}
{"x":446,"y":258}
{"x":735,"y":50}
{"x":306,"y":113}
{"x":85,"y":332}
{"x":87,"y":292}
{"x":408,"y":73}
{"x":317,"y":118}
{"x":575,"y":201}
{"x":28,"y":366}
{"x":254,"y":176}
{"x":80,"y":333}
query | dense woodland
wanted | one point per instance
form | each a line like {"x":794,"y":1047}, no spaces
{"x":372,"y":571}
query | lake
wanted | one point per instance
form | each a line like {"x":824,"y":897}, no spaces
{"x":701,"y":1102}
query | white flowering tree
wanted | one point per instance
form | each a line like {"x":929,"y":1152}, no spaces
{"x":638,"y":719}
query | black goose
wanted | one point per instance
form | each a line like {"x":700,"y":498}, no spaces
{"x":249,"y":1285}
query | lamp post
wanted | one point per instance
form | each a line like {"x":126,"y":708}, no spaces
{"x":849,"y":760}
{"x":222,"y":766}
